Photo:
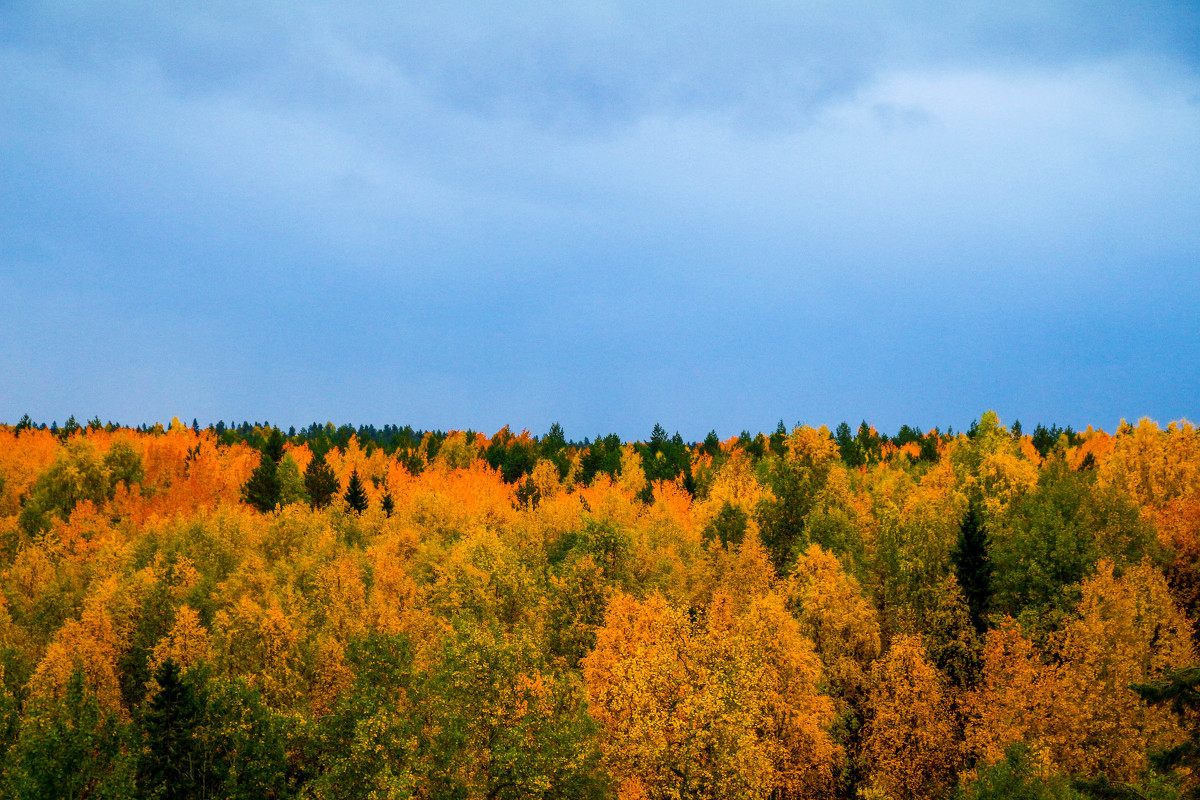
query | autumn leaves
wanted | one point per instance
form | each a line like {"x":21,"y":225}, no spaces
{"x":775,"y":622}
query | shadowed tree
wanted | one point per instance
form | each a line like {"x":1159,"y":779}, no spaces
{"x":172,"y":756}
{"x":263,"y":489}
{"x":973,"y":566}
{"x":1179,"y":688}
{"x":319,"y":481}
{"x":355,"y":496}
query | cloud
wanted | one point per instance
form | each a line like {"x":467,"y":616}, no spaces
{"x":512,"y":212}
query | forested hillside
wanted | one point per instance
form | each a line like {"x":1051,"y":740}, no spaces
{"x":350,"y":613}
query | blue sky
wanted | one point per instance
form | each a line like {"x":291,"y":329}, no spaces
{"x":708,"y":215}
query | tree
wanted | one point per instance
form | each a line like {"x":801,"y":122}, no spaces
{"x":797,"y":479}
{"x":1180,"y":689}
{"x":910,"y":746}
{"x":1020,"y":777}
{"x":723,"y":705}
{"x":262,"y":489}
{"x":503,"y":723}
{"x":77,"y":474}
{"x":973,"y":566}
{"x":319,"y":481}
{"x":355,"y":496}
{"x":70,"y":748}
{"x":364,"y":743}
{"x":291,"y":482}
{"x":1050,"y":540}
{"x":847,"y":447}
{"x":172,"y":757}
{"x":1079,"y":713}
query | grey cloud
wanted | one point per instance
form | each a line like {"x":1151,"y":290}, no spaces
{"x":606,"y":213}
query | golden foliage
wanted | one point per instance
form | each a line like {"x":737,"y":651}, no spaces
{"x":910,"y":747}
{"x":682,"y":702}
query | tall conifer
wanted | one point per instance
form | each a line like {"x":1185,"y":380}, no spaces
{"x":356,"y":497}
{"x":973,"y":566}
{"x":319,"y":481}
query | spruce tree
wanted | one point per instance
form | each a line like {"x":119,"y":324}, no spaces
{"x":319,"y":481}
{"x":171,"y":762}
{"x":355,"y":497}
{"x":1180,"y":689}
{"x":263,"y":487}
{"x":388,"y":504}
{"x":973,"y":566}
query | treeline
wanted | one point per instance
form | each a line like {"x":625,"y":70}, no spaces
{"x":350,"y":612}
{"x":517,"y":455}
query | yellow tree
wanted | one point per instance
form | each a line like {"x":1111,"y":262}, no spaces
{"x":1012,"y":702}
{"x":1127,"y":631}
{"x":910,"y":749}
{"x":842,"y":624}
{"x":1081,"y":717}
{"x":721,"y":707}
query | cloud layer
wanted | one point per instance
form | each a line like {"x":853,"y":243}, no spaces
{"x":605,"y":215}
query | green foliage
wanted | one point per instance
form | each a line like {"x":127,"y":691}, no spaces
{"x":503,"y":723}
{"x":171,"y":758}
{"x":1051,"y":539}
{"x":603,"y":456}
{"x":240,"y":742}
{"x":70,"y":748}
{"x":78,"y":473}
{"x":157,"y":615}
{"x":553,"y":448}
{"x":665,"y":459}
{"x":604,"y":542}
{"x":584,"y":564}
{"x":973,"y":566}
{"x":365,"y":745}
{"x":1179,"y":689}
{"x":355,"y":496}
{"x":319,"y":481}
{"x":262,"y":489}
{"x":797,"y":484}
{"x":291,"y":482}
{"x":514,"y":457}
{"x":1016,"y":777}
{"x":728,"y":526}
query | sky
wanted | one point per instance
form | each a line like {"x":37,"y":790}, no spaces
{"x":713,"y":216}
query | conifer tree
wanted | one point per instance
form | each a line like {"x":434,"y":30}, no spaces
{"x":1179,"y":688}
{"x":263,"y":487}
{"x":973,"y":566}
{"x":356,"y":497}
{"x":171,"y":760}
{"x":319,"y":481}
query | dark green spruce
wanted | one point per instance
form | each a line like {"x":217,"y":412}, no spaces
{"x":973,"y":566}
{"x":355,"y":497}
{"x":319,"y":480}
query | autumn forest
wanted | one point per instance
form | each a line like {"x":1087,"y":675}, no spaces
{"x":249,"y":612}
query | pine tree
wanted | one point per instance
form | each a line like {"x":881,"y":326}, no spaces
{"x":388,"y":504}
{"x":355,"y":497}
{"x":319,"y":481}
{"x":973,"y":566}
{"x":263,"y":487}
{"x":171,"y":761}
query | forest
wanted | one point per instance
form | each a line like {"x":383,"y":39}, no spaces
{"x":246,"y":612}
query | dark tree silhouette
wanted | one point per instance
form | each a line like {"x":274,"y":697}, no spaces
{"x":319,"y":481}
{"x":973,"y":566}
{"x":355,"y":496}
